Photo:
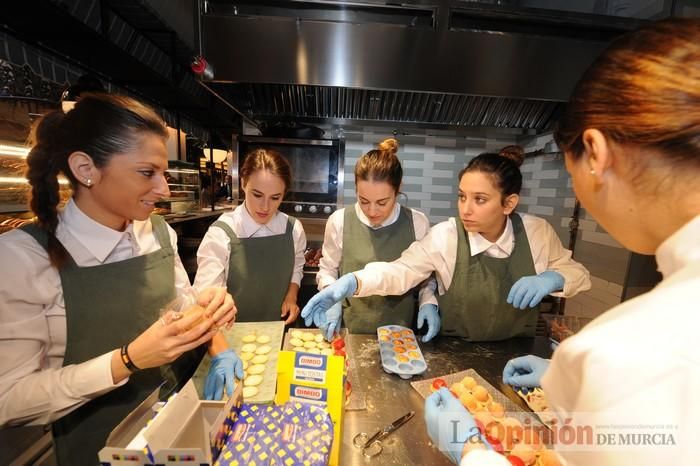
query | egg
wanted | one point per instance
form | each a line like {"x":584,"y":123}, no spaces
{"x":525,"y":453}
{"x":469,"y":382}
{"x":458,"y":389}
{"x":468,"y":401}
{"x":549,"y":458}
{"x":496,"y":409}
{"x":480,"y":394}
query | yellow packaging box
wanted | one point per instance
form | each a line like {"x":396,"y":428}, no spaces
{"x":317,"y":379}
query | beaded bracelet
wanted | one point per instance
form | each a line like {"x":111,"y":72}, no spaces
{"x":127,"y":360}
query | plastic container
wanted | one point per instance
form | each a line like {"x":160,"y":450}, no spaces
{"x":400,"y":352}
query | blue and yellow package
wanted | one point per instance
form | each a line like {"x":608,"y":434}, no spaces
{"x":289,"y":434}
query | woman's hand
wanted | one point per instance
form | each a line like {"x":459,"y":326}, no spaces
{"x":165,"y":341}
{"x":290,"y":309}
{"x":219,"y":305}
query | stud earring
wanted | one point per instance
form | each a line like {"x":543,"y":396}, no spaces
{"x":592,"y":172}
{"x":88,"y":182}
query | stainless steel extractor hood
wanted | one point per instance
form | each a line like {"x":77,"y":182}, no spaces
{"x":444,"y":63}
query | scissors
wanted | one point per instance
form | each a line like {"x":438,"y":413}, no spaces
{"x":372,"y":446}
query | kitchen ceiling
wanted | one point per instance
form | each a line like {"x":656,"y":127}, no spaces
{"x":440,"y":64}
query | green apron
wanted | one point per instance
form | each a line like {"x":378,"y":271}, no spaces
{"x":475,"y":305}
{"x":362,"y":245}
{"x":259,"y":273}
{"x":106,"y":306}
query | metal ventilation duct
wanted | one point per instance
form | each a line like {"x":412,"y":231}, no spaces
{"x":462,"y":64}
{"x":264,"y":102}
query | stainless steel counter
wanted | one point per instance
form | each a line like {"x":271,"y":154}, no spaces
{"x":388,"y":396}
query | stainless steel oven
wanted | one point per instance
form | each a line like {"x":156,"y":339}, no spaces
{"x":317,"y":172}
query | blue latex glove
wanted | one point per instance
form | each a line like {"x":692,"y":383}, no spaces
{"x":449,"y":423}
{"x":529,"y":291}
{"x":429,"y":312}
{"x":332,"y":323}
{"x":223,"y":367}
{"x":321,"y":302}
{"x":525,"y":371}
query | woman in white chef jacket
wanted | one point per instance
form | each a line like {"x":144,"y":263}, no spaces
{"x":631,"y":138}
{"x":78,"y":284}
{"x":256,"y":250}
{"x":490,"y":263}
{"x":376,"y":228}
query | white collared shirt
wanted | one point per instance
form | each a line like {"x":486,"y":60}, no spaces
{"x":213,"y":252}
{"x":437,"y":252}
{"x":638,"y":365}
{"x":332,"y":253}
{"x":34,"y":387}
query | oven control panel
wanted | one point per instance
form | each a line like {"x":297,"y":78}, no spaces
{"x":308,"y":209}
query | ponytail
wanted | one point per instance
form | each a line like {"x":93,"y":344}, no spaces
{"x":43,"y":167}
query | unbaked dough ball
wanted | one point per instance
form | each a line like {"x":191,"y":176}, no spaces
{"x":296,"y":342}
{"x":249,"y":338}
{"x":263,"y":349}
{"x":259,"y":359}
{"x":249,"y":392}
{"x":253,"y":380}
{"x":263,"y":339}
{"x":256,"y":369}
{"x":249,"y":348}
{"x":307,"y":336}
{"x":247,"y":356}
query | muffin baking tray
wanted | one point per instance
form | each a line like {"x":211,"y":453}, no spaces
{"x":400,"y":352}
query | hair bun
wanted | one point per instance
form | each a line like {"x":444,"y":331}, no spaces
{"x":390,"y":145}
{"x":514,"y":153}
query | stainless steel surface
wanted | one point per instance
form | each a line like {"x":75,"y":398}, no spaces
{"x":371,"y":445}
{"x":458,"y":64}
{"x":389,"y":396}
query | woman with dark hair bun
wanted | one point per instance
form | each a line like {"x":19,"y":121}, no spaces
{"x":81,"y":340}
{"x":376,"y":228}
{"x":624,"y":389}
{"x":493,"y":266}
{"x":256,"y":250}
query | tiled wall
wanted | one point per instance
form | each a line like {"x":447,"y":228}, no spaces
{"x":431,"y":163}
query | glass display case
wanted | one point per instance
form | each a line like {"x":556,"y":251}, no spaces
{"x":185,"y":189}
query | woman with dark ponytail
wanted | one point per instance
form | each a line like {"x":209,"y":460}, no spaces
{"x":493,"y":266}
{"x":376,"y":228}
{"x":80,"y":293}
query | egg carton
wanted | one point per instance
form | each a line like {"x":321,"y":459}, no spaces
{"x":400,"y":352}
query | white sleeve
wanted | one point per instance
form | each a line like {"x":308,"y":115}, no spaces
{"x":332,"y":251}
{"x":34,"y":388}
{"x":549,"y":254}
{"x":212,"y":259}
{"x":428,"y":289}
{"x":430,"y":254}
{"x":299,"y":247}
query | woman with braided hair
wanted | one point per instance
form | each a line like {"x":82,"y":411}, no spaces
{"x":81,"y":342}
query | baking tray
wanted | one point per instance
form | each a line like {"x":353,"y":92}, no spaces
{"x":234,"y":337}
{"x":406,"y":363}
{"x":512,"y":409}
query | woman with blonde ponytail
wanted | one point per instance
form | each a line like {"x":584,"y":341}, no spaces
{"x":81,"y":341}
{"x":376,"y":228}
